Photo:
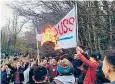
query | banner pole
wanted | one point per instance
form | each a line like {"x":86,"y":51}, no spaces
{"x":38,"y":56}
{"x":76,"y":18}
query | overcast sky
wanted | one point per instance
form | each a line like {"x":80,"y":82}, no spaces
{"x":5,"y":12}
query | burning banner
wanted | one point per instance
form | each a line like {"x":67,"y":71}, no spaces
{"x":63,"y":34}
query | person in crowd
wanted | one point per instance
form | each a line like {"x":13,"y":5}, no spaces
{"x":24,"y":64}
{"x":109,"y":66}
{"x":52,"y":69}
{"x":40,"y":75}
{"x":33,"y":66}
{"x":100,"y":75}
{"x":80,"y":68}
{"x":8,"y":74}
{"x":26,"y":75}
{"x":44,"y":63}
{"x":3,"y":75}
{"x":76,"y":64}
{"x":65,"y":70}
{"x":17,"y":71}
{"x":92,"y":64}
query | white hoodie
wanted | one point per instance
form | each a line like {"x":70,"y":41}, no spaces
{"x":67,"y":79}
{"x":26,"y":75}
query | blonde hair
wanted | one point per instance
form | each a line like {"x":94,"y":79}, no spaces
{"x":63,"y":63}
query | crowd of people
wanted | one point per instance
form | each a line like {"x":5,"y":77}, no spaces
{"x":64,"y":69}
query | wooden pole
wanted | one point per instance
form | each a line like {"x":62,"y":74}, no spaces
{"x":38,"y":56}
{"x":76,"y":18}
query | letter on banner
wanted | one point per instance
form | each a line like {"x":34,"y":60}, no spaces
{"x":66,"y":31}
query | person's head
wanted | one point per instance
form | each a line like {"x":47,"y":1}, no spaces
{"x":63,"y":55}
{"x":44,"y":61}
{"x":76,"y":56}
{"x":18,"y":64}
{"x":54,"y":61}
{"x":0,"y":66}
{"x":3,"y":67}
{"x":64,"y":67}
{"x":95,"y":56}
{"x":40,"y":74}
{"x":109,"y":65}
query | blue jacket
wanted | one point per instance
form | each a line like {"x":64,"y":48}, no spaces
{"x":3,"y":77}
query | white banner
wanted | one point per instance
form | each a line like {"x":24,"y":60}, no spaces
{"x":66,"y":31}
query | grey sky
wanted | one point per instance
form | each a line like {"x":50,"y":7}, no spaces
{"x":6,"y":13}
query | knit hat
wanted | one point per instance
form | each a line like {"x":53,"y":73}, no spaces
{"x":64,"y":66}
{"x":96,"y":55}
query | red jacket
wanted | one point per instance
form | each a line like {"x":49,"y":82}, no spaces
{"x":90,"y":76}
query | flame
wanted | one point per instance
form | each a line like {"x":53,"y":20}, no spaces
{"x":49,"y":34}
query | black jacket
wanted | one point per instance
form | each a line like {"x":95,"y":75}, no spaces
{"x":100,"y":78}
{"x":21,"y":70}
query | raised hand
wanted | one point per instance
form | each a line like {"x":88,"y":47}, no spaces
{"x":79,"y":50}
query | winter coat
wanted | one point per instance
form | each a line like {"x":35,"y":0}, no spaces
{"x":110,"y":83}
{"x":52,"y":69}
{"x":26,"y":76}
{"x":31,"y":74}
{"x":3,"y":77}
{"x":65,"y":79}
{"x":100,"y":77}
{"x":21,"y":70}
{"x":90,"y":76}
{"x":76,"y":64}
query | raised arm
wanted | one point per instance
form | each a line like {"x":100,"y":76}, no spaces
{"x":86,"y":61}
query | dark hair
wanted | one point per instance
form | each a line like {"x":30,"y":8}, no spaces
{"x":84,"y":47}
{"x":56,"y":58}
{"x":64,"y":56}
{"x":86,"y":55}
{"x":39,"y":73}
{"x":96,"y":56}
{"x":110,"y":57}
{"x":45,"y":59}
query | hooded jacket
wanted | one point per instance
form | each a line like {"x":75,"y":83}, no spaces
{"x":26,"y":75}
{"x":66,"y":79}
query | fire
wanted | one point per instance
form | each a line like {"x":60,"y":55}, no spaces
{"x":49,"y":34}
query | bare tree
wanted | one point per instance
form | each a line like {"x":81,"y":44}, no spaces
{"x":15,"y":26}
{"x":93,"y":18}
